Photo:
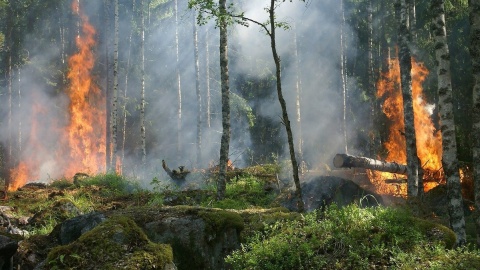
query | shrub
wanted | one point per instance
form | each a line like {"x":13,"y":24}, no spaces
{"x":343,"y":238}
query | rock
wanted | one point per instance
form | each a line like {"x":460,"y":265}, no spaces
{"x":321,"y":191}
{"x":117,"y":243}
{"x":8,"y":247}
{"x":61,"y":210}
{"x":200,"y":237}
{"x":71,"y":229}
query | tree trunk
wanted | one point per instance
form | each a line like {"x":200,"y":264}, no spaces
{"x":449,"y":157}
{"x":474,"y":7}
{"x":179,"y":85}
{"x":207,"y":75}
{"x":348,"y":161}
{"x":142,"y":74}
{"x":199,"y":96}
{"x":108,"y":106}
{"x":114,"y":119}
{"x":298,"y":98}
{"x":371,"y":85}
{"x":225,"y":141}
{"x":406,"y":82}
{"x":285,"y":119}
{"x":19,"y":104}
{"x":343,"y":76}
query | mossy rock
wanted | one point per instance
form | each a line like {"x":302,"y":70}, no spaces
{"x":59,"y":211}
{"x":118,"y":243}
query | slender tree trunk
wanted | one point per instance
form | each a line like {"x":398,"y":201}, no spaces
{"x":19,"y":104}
{"x":298,"y":107}
{"x":406,"y":82}
{"x":108,"y":107}
{"x":343,"y":75}
{"x":285,"y":119}
{"x":371,"y":84}
{"x":142,"y":75}
{"x":224,"y":77}
{"x":474,"y":7}
{"x":449,"y":157}
{"x":9,"y":86}
{"x":179,"y":85}
{"x":114,"y":116}
{"x":127,"y":72}
{"x":207,"y":70}
{"x":199,"y":96}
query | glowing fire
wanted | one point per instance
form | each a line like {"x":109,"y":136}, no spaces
{"x":429,"y":140}
{"x":81,"y":143}
{"x":86,"y":131}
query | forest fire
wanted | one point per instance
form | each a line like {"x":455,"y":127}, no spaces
{"x":429,"y":141}
{"x":81,"y":144}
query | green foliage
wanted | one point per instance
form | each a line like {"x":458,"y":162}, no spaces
{"x":245,"y":192}
{"x":343,"y":238}
{"x":112,"y":182}
{"x":117,"y":243}
{"x":240,"y":106}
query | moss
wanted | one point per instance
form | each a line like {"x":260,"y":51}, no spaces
{"x":219,"y":220}
{"x":436,"y":232}
{"x":117,"y":242}
{"x":256,"y":219}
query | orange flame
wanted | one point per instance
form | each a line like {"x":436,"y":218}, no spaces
{"x":81,"y":147}
{"x":428,"y":139}
{"x":86,"y":131}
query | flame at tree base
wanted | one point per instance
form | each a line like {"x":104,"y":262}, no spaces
{"x":80,"y":145}
{"x":428,"y":139}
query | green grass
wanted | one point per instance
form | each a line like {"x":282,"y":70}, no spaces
{"x":353,"y":238}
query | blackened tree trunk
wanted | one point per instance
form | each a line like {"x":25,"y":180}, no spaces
{"x":406,"y":82}
{"x":474,"y":7}
{"x":449,"y":157}
{"x":224,"y":77}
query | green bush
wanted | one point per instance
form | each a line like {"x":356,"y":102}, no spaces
{"x":345,"y":238}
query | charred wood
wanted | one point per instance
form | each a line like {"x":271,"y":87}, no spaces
{"x":179,"y":174}
{"x":348,"y":161}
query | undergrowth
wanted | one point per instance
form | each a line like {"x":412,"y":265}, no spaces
{"x":354,"y":238}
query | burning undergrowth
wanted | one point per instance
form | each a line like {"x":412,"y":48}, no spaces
{"x":428,"y":138}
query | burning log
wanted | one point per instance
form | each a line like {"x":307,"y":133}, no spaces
{"x":347,"y":161}
{"x":181,"y":174}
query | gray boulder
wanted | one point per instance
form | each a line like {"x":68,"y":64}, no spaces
{"x":8,"y":247}
{"x":322,"y":191}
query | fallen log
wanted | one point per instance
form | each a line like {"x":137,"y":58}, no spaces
{"x":347,"y":161}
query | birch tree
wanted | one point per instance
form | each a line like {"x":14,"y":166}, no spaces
{"x":197,"y":90}
{"x":406,"y":84}
{"x":115,"y":91}
{"x":221,"y":13}
{"x":143,"y":136}
{"x":447,"y":123}
{"x":474,"y":7}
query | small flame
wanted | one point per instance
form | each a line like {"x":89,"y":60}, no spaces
{"x":19,"y":176}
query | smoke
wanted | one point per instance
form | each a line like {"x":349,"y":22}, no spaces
{"x":44,"y":104}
